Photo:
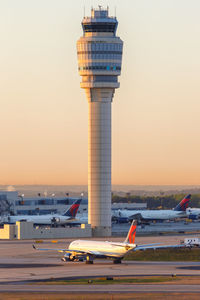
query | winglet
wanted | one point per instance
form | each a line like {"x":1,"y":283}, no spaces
{"x":34,"y":247}
{"x":131,"y":234}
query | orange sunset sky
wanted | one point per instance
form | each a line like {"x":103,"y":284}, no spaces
{"x":156,"y":111}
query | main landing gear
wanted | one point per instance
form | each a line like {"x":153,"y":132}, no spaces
{"x":117,"y":261}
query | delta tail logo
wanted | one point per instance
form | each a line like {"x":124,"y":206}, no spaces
{"x":183,"y":205}
{"x":72,"y":211}
{"x":131,"y":237}
{"x":131,"y":234}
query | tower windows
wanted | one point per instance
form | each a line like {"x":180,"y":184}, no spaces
{"x":99,"y":52}
{"x":100,"y":27}
{"x":108,"y":68}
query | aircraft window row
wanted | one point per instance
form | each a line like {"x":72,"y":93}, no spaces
{"x":108,"y":68}
{"x":47,"y":211}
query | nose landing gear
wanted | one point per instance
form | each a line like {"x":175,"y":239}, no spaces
{"x":89,"y":260}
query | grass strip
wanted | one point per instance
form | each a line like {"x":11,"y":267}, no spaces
{"x":105,"y":281}
{"x":168,"y":254}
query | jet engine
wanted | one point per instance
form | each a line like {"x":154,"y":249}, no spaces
{"x":67,"y":257}
{"x":55,"y":220}
{"x":70,"y":257}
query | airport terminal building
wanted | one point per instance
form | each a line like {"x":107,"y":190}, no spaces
{"x":20,"y":205}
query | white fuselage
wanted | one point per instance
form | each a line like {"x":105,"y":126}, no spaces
{"x":152,"y":214}
{"x":38,"y":219}
{"x":109,"y":249}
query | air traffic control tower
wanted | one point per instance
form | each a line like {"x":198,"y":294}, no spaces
{"x":99,"y":62}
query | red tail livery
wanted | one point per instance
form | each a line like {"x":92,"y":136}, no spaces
{"x":131,"y":234}
{"x":72,"y":211}
{"x":183,"y":205}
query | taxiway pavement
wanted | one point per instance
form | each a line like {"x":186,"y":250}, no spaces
{"x":19,"y":262}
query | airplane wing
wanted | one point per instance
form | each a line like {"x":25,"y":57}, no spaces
{"x":93,"y":253}
{"x":144,"y":247}
{"x":58,"y":250}
{"x":140,"y":247}
{"x":136,"y":216}
{"x":180,"y":212}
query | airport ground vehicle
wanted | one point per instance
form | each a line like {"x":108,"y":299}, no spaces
{"x":191,"y":242}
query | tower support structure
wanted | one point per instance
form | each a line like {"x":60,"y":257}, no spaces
{"x":99,"y":53}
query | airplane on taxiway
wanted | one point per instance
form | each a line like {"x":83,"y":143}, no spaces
{"x":154,"y":215}
{"x":80,"y":250}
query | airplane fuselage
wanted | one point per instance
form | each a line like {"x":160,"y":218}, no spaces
{"x":108,"y":249}
{"x":39,"y":219}
{"x":152,"y":214}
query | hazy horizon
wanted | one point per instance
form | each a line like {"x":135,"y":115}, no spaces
{"x":155,"y":112}
{"x":81,"y":190}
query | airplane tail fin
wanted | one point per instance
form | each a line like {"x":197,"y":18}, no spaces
{"x":183,"y":204}
{"x":131,"y":234}
{"x":72,"y":211}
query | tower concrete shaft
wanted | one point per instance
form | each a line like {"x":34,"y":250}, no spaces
{"x":99,"y":60}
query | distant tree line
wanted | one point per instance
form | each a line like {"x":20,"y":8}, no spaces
{"x":155,"y":202}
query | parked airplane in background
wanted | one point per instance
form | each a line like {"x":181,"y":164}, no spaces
{"x":81,"y":218}
{"x":193,"y":213}
{"x":80,"y":250}
{"x":154,"y":215}
{"x":50,"y":219}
